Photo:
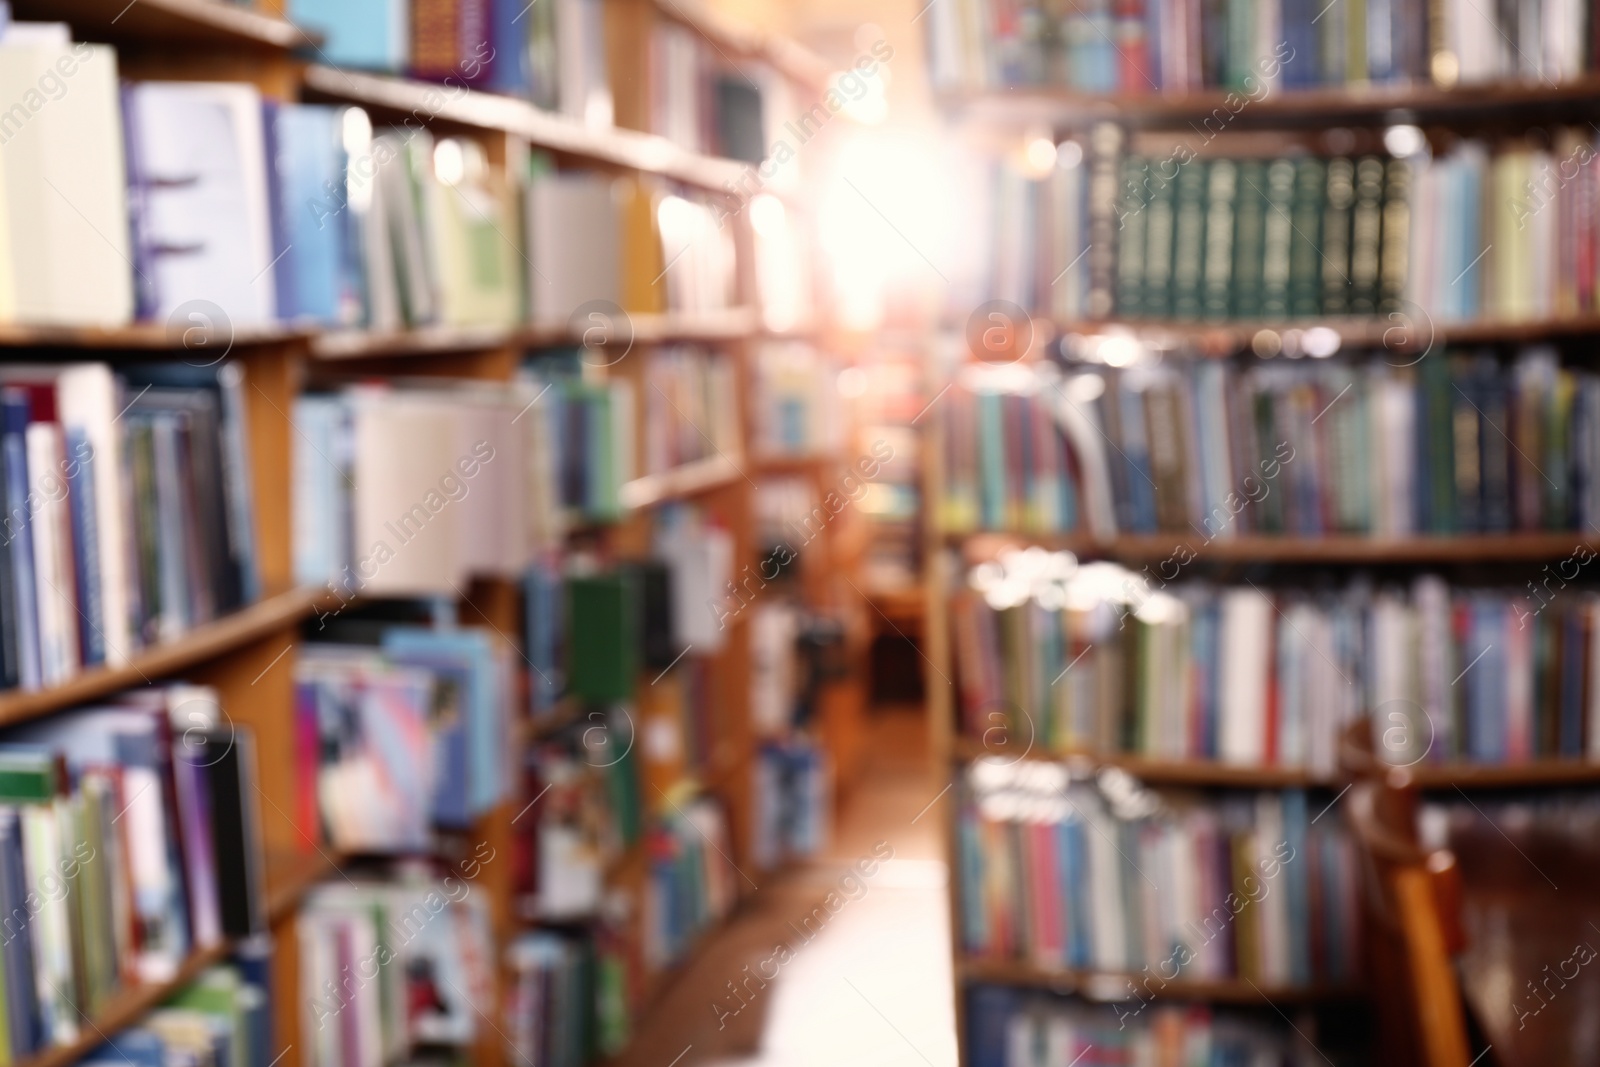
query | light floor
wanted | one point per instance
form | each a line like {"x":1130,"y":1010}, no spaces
{"x":867,"y":984}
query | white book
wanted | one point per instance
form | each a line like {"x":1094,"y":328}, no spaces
{"x":198,"y":152}
{"x":52,"y":552}
{"x":69,"y":258}
{"x":1247,"y":624}
{"x":573,"y":247}
{"x":407,"y":537}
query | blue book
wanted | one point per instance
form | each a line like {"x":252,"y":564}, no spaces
{"x":989,"y":1012}
{"x":1136,"y":456}
{"x":472,"y":779}
{"x":1571,"y":739}
{"x":138,"y":1048}
{"x":992,"y":456}
{"x":974,"y":927}
{"x":1075,"y":893}
{"x":22,"y":999}
{"x":85,"y":555}
{"x":1295,"y":875}
{"x":15,"y":413}
{"x":311,"y":215}
{"x":368,"y":34}
{"x":1300,"y":35}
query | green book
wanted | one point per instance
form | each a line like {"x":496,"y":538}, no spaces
{"x":1341,"y":192}
{"x":1394,"y":243}
{"x":1366,"y":228}
{"x":1466,"y":442}
{"x":1305,"y":238}
{"x":216,"y":992}
{"x":1188,"y":240}
{"x":1277,"y":231}
{"x":1158,"y":245}
{"x":1216,"y":272}
{"x":1248,"y":238}
{"x":603,"y":638}
{"x":1241,"y":45}
{"x":1131,"y":236}
{"x":27,"y":777}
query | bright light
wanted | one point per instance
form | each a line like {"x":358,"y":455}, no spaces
{"x":1119,"y":350}
{"x":887,"y":219}
{"x":449,"y":165}
{"x":1069,"y":154}
{"x":767,"y":216}
{"x":1041,"y":155}
{"x":852,"y":383}
{"x":1403,"y":141}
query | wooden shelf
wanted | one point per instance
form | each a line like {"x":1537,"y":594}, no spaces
{"x":1407,"y":336}
{"x":1289,"y":107}
{"x":290,"y":875}
{"x":793,"y":60}
{"x":795,"y":464}
{"x":730,"y":325}
{"x":1536,"y":774}
{"x":268,"y":616}
{"x":1161,"y":771}
{"x":141,"y":336}
{"x":689,"y":480}
{"x":1467,"y":548}
{"x":1111,"y":986}
{"x":124,"y":1009}
{"x":392,"y":97}
{"x":168,"y":22}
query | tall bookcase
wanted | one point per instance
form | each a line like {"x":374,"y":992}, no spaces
{"x":250,"y":656}
{"x":1004,"y":120}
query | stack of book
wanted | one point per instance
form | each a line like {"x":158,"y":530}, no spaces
{"x":1011,"y":1029}
{"x":390,"y":966}
{"x":1258,"y":676}
{"x":692,"y":884}
{"x":553,"y":56}
{"x":223,"y":1017}
{"x":1068,"y":876}
{"x":691,"y":408}
{"x":409,"y":491}
{"x":1211,"y":450}
{"x":796,"y":401}
{"x":397,"y":740}
{"x":1253,"y":47}
{"x":129,"y":837}
{"x":128,"y":512}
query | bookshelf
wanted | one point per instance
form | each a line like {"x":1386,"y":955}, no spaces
{"x":1041,"y":208}
{"x":250,"y":656}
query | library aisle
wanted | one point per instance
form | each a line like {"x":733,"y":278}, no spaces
{"x":868,"y":983}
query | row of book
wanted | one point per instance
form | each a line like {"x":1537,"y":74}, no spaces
{"x":1066,"y":877}
{"x":1011,"y":1028}
{"x":129,"y":517}
{"x":1110,"y":661}
{"x":1507,"y":231}
{"x":408,"y":490}
{"x":391,"y":966}
{"x":1213,"y":450}
{"x":553,"y":56}
{"x":233,"y":211}
{"x":1253,"y":47}
{"x":691,"y":408}
{"x":129,"y":837}
{"x":796,"y":401}
{"x":568,"y":999}
{"x":221,"y":1019}
{"x":401,"y":737}
{"x":692,"y":884}
{"x":700,"y":99}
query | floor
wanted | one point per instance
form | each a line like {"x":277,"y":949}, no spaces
{"x":862,"y":963}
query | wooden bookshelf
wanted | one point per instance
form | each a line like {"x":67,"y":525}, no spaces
{"x":1111,"y":986}
{"x":1442,"y":549}
{"x":203,"y":23}
{"x":1286,"y":108}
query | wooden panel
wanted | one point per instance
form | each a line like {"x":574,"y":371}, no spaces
{"x":271,"y":384}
